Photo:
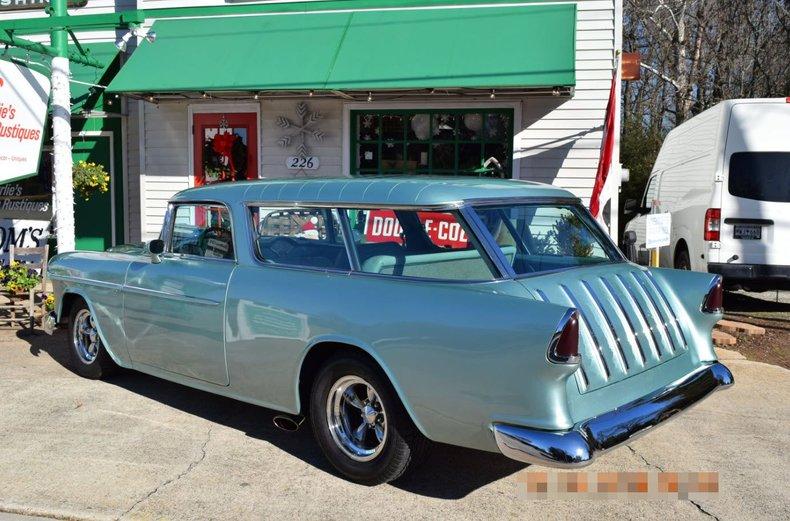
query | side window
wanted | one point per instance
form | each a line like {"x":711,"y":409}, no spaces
{"x":309,"y":237}
{"x":433,"y":245}
{"x":202,"y":230}
{"x":650,"y":192}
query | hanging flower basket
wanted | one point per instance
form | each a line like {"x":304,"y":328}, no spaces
{"x":89,"y":179}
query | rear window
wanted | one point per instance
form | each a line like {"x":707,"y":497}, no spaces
{"x":762,"y":176}
{"x":536,"y":238}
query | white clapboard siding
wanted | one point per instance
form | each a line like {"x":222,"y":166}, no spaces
{"x":560,"y":139}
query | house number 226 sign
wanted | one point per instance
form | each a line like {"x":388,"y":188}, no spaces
{"x":302,"y":163}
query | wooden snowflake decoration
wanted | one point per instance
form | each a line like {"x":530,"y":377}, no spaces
{"x":300,"y":130}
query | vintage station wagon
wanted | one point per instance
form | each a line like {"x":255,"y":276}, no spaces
{"x":392,"y":312}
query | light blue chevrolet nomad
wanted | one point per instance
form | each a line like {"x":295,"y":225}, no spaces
{"x":393,"y":312}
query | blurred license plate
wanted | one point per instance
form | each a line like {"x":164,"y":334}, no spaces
{"x":748,"y":231}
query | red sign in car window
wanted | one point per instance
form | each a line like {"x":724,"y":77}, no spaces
{"x":442,"y":228}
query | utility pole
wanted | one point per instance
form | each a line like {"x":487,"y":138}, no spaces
{"x":62,"y":181}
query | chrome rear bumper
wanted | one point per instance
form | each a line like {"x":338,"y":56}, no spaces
{"x":578,"y":446}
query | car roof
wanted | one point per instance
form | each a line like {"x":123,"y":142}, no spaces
{"x":387,"y":191}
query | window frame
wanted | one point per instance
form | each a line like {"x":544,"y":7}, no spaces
{"x":466,"y":210}
{"x":430,"y":111}
{"x":169,"y":227}
{"x":253,"y":235}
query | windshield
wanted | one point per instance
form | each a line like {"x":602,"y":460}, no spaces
{"x":764,"y":176}
{"x":537,"y":237}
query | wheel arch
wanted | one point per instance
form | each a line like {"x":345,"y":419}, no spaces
{"x":318,"y":352}
{"x":68,"y":299}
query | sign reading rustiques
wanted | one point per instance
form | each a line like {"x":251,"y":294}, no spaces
{"x":24,"y":96}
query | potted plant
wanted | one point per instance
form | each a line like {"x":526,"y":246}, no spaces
{"x":89,"y":179}
{"x":18,"y":279}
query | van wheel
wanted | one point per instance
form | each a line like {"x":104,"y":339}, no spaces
{"x":88,"y":356}
{"x":360,"y":424}
{"x":682,"y":260}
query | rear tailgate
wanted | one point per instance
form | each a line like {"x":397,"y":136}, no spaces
{"x":627,"y":322}
{"x":755,"y":195}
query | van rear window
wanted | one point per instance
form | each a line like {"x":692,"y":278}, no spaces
{"x":764,"y":176}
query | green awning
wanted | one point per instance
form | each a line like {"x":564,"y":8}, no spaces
{"x":84,"y":98}
{"x":464,"y":47}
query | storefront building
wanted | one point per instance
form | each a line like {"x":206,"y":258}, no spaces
{"x":221,"y":91}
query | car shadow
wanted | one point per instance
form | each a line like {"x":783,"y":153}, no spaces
{"x":448,"y":473}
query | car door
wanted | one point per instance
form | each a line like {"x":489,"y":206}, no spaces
{"x":174,"y":309}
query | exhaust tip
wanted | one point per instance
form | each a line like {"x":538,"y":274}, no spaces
{"x":288,"y":423}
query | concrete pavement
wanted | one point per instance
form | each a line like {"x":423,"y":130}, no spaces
{"x":136,"y":447}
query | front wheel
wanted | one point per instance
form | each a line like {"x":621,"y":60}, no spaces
{"x":360,"y":424}
{"x":88,"y":356}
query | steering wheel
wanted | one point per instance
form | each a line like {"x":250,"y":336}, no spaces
{"x":219,"y":234}
{"x":282,"y":246}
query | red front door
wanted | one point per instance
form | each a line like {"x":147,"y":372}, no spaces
{"x":226,"y":147}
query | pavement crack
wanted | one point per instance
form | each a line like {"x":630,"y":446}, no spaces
{"x":653,"y":465}
{"x":644,"y":459}
{"x":167,"y":482}
{"x":699,"y":507}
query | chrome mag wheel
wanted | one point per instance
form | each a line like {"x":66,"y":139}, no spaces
{"x":356,"y":418}
{"x":85,"y":336}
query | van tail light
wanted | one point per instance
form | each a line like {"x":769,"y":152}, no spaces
{"x":564,"y":346}
{"x":714,"y":300}
{"x":712,"y":224}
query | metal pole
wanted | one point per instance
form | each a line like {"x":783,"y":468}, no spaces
{"x":62,"y":181}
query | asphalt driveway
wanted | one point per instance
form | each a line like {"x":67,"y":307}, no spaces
{"x":137,"y":447}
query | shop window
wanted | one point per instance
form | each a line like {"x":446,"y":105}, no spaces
{"x":438,"y":142}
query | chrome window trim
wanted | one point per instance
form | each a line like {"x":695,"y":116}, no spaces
{"x":169,"y":225}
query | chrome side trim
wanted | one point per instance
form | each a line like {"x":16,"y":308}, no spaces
{"x":586,"y":326}
{"x":597,"y":301}
{"x":630,"y":329}
{"x":669,"y":307}
{"x":90,"y":282}
{"x":663,"y":321}
{"x":580,"y":445}
{"x":647,"y":318}
{"x":171,"y":296}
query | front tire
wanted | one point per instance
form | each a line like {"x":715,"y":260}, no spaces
{"x":88,"y":356}
{"x":361,"y":425}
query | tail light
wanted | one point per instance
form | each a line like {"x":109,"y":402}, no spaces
{"x":712,"y":224}
{"x":564,"y":346}
{"x":714,"y":300}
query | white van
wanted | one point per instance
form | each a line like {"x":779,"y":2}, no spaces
{"x":724,"y":175}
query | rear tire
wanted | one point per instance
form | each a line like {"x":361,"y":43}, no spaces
{"x":682,"y":259}
{"x":88,"y":356}
{"x":361,"y":425}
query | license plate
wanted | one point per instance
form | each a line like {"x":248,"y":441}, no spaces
{"x":748,"y":231}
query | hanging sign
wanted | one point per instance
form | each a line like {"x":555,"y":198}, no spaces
{"x":657,"y":230}
{"x":24,"y":95}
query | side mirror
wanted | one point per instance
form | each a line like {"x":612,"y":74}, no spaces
{"x":156,"y":248}
{"x":630,"y":206}
{"x":629,"y":238}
